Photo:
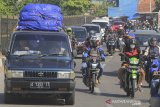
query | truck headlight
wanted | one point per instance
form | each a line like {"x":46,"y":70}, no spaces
{"x":66,"y":75}
{"x":14,"y":74}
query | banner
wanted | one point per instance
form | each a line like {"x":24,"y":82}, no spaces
{"x":126,"y":8}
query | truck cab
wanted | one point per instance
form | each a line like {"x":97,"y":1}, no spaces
{"x":39,"y":63}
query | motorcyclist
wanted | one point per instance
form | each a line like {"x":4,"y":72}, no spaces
{"x":133,"y":51}
{"x":69,"y":31}
{"x":121,"y":30}
{"x":152,"y":49}
{"x":110,"y":37}
{"x":126,"y":40}
{"x":71,"y":36}
{"x":96,"y":49}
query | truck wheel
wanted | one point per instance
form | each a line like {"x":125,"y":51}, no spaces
{"x":8,"y":98}
{"x":70,"y":100}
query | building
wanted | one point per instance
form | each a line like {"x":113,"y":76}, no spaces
{"x":146,"y":6}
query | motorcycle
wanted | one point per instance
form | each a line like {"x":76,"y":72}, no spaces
{"x":154,"y":83}
{"x":111,"y":45}
{"x":121,"y":44}
{"x":91,"y":73}
{"x":153,"y":66}
{"x":131,"y":76}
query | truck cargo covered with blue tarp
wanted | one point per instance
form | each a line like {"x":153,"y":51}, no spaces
{"x":126,"y":8}
{"x":45,"y":17}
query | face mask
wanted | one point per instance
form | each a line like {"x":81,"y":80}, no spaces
{"x":132,"y":46}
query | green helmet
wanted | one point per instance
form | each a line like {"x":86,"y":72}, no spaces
{"x":69,"y":31}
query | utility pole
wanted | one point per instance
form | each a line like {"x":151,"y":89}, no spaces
{"x":150,"y":6}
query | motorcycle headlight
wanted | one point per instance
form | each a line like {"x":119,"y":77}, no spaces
{"x":94,"y":66}
{"x":134,"y":76}
{"x":14,"y":74}
{"x":66,"y":75}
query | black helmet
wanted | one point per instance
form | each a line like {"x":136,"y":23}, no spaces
{"x":92,"y":32}
{"x":94,"y":42}
{"x":132,"y":41}
{"x":153,"y":41}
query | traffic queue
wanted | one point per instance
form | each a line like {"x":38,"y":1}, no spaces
{"x":40,"y":57}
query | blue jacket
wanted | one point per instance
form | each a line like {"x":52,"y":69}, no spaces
{"x":86,"y":53}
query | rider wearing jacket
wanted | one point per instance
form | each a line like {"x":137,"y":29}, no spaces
{"x":132,"y":51}
{"x":93,"y":48}
{"x":153,"y":49}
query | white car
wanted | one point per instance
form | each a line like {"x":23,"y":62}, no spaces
{"x":96,"y":28}
{"x":103,"y":22}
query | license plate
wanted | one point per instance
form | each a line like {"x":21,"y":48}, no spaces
{"x":111,"y":43}
{"x":40,"y":85}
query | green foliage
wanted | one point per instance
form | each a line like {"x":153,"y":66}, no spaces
{"x":101,"y":9}
{"x":12,"y":7}
{"x":3,"y":9}
{"x":69,"y":7}
{"x":157,"y":5}
{"x":158,"y":1}
{"x":75,"y":7}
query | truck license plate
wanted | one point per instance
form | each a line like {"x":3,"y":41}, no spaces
{"x":40,"y":85}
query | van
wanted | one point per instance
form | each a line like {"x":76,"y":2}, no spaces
{"x":39,"y":63}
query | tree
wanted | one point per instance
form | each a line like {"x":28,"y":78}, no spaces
{"x":12,"y":7}
{"x":75,"y":7}
{"x":69,"y":7}
{"x":3,"y":9}
{"x":101,"y":9}
{"x":157,"y":5}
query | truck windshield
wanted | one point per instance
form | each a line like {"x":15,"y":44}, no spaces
{"x":80,"y":33}
{"x":33,"y":44}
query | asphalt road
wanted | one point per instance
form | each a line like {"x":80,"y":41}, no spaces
{"x":107,"y":94}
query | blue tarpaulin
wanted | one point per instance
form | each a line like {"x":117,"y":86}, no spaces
{"x":126,"y":8}
{"x":44,"y":17}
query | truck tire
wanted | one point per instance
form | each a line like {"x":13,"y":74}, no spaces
{"x":8,"y":98}
{"x":70,"y":100}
